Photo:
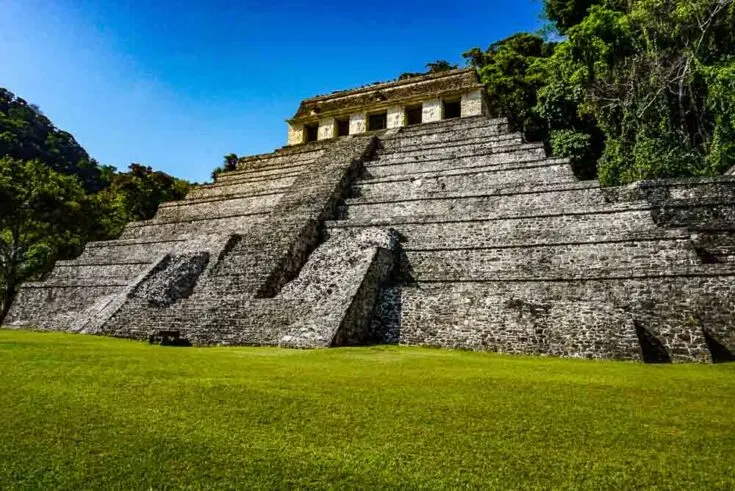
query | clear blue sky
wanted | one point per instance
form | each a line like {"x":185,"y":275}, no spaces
{"x":177,"y":85}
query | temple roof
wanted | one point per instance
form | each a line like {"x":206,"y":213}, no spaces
{"x":388,"y":93}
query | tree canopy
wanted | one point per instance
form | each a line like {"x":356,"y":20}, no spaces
{"x":27,"y":134}
{"x":54,"y":198}
{"x":42,"y":214}
{"x":636,"y":90}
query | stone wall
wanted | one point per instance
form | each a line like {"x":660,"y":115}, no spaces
{"x":503,"y":249}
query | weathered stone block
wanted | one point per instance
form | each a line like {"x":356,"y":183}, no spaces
{"x":473,"y":103}
{"x":396,"y":117}
{"x":358,"y":123}
{"x":431,"y":111}
{"x":327,"y":129}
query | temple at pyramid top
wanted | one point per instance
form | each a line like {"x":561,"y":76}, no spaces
{"x":421,"y":99}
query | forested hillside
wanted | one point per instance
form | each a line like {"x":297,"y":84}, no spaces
{"x":54,"y":198}
{"x":630,"y":89}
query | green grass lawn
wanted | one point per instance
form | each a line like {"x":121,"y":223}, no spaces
{"x":88,"y":412}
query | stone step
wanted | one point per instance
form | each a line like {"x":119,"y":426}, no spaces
{"x":454,"y":150}
{"x":155,"y":230}
{"x":234,"y":193}
{"x":98,"y":271}
{"x":491,"y":215}
{"x":592,"y":274}
{"x":126,"y":250}
{"x":517,"y":157}
{"x":631,"y":225}
{"x":518,"y":152}
{"x":279,"y":184}
{"x":105,"y":244}
{"x":226,"y":205}
{"x":488,"y":179}
{"x":548,"y":261}
{"x":449,"y":125}
{"x":397,"y":138}
{"x":77,"y":283}
{"x":283,"y":156}
{"x":574,"y":198}
{"x":266,"y":173}
{"x":463,"y":136}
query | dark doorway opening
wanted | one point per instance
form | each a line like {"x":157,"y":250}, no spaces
{"x":452,"y":109}
{"x":311,"y":133}
{"x":343,"y":127}
{"x":414,"y":115}
{"x":719,"y":352}
{"x":378,"y":121}
{"x":652,"y":349}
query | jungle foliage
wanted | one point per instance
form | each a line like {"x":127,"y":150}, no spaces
{"x":54,"y":198}
{"x":631,"y":90}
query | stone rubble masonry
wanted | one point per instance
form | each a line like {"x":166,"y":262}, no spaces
{"x":295,"y":133}
{"x":455,"y":233}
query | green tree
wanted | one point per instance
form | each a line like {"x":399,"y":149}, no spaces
{"x":131,"y":196}
{"x":437,"y":66}
{"x":229,"y":164}
{"x":54,"y":197}
{"x":40,"y":219}
{"x":649,"y":74}
{"x":513,"y":70}
{"x":27,"y":134}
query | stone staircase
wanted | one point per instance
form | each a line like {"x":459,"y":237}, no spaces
{"x":224,"y":286}
{"x":504,"y":249}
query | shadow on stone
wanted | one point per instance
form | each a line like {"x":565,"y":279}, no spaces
{"x":718,"y":351}
{"x":168,"y":338}
{"x":706,"y":256}
{"x":652,"y":349}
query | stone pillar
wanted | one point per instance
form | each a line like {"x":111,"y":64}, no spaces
{"x":396,"y":117}
{"x":473,"y":104}
{"x":432,"y":111}
{"x":295,"y":134}
{"x":326,"y":129}
{"x":358,"y":123}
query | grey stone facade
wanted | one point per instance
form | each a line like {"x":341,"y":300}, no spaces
{"x":454,"y":233}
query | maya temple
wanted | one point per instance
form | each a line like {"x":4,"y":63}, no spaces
{"x":403,"y":213}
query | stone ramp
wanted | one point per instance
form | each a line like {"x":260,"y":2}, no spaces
{"x":341,"y":282}
{"x":329,"y":303}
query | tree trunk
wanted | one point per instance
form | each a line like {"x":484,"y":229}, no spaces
{"x":7,"y":300}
